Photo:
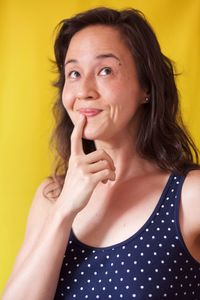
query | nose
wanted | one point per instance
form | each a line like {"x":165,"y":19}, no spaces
{"x":87,"y":89}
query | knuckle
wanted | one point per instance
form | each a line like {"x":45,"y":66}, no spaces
{"x":101,"y":152}
{"x":106,"y":172}
{"x":105,"y":163}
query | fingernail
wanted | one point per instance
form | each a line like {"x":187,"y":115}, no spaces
{"x":113,"y":177}
{"x":104,"y":181}
{"x":81,"y":117}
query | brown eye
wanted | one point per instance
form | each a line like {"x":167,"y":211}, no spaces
{"x":105,"y":71}
{"x":73,"y":74}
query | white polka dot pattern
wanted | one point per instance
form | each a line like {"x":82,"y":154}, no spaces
{"x":152,"y":264}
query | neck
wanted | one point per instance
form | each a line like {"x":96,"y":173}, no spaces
{"x":127,"y":162}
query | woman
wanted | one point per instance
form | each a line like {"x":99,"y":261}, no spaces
{"x":122,"y":207}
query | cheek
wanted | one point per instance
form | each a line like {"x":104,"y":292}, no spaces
{"x":67,"y":98}
{"x":68,"y":103}
{"x":123,"y":103}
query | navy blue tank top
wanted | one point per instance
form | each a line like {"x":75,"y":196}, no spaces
{"x":154,"y":263}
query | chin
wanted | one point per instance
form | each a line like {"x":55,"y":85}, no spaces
{"x":92,"y":136}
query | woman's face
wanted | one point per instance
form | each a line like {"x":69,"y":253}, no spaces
{"x":101,"y":82}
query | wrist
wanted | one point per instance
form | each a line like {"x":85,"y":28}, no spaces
{"x":62,"y":214}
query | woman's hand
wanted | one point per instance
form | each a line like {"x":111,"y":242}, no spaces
{"x":84,"y":173}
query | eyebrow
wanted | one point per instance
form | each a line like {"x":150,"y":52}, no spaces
{"x":100,"y":56}
{"x":107,"y":55}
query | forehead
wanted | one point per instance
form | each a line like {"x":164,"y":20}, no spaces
{"x":98,"y":39}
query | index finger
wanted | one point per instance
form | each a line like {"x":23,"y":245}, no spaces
{"x":76,"y":136}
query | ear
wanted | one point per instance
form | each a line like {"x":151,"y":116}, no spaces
{"x":146,"y":96}
{"x":146,"y":99}
{"x":146,"y":93}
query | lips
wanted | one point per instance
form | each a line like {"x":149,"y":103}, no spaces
{"x":89,"y":112}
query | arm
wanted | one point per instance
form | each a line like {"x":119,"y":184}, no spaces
{"x":38,"y":265}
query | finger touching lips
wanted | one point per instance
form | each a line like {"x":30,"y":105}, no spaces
{"x":76,"y":136}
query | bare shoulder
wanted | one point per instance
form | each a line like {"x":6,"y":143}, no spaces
{"x":192,"y":185}
{"x":38,"y":213}
{"x":191,"y":198}
{"x":44,"y":199}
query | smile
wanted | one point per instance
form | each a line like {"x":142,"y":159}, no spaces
{"x":89,"y":112}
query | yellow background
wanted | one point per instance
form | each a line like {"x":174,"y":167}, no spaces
{"x":26,"y":95}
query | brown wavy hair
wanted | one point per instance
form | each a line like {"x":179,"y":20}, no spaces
{"x":162,"y":136}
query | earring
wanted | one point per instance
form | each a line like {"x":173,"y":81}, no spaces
{"x":146,"y":100}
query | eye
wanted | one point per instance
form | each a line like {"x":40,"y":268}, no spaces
{"x":73,"y":74}
{"x":105,"y":71}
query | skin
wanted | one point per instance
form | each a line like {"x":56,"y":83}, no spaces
{"x":94,"y":182}
{"x":97,"y":75}
{"x":108,"y":83}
